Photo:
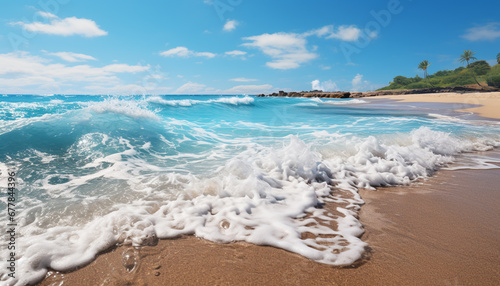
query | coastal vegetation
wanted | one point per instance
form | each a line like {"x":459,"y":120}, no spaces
{"x":473,"y":72}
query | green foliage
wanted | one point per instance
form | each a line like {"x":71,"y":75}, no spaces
{"x":476,"y":73}
{"x":402,"y":80}
{"x":457,"y":77}
{"x":480,"y":67}
{"x":435,"y":81}
{"x":441,"y":73}
{"x":498,"y":58}
{"x":493,"y":80}
{"x":493,"y":77}
{"x":415,"y":85}
{"x":495,"y":69}
{"x":462,"y":78}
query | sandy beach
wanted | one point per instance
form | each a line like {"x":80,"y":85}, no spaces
{"x":489,"y":103}
{"x":438,"y":231}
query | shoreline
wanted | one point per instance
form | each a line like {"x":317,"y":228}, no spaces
{"x":356,"y":94}
{"x":438,"y":231}
{"x":488,"y":102}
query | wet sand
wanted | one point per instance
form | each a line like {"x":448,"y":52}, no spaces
{"x":439,"y":231}
{"x":488,"y":103}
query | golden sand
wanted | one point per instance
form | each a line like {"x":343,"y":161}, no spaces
{"x":489,"y":103}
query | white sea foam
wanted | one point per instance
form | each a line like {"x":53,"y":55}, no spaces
{"x":131,"y":108}
{"x":189,"y":102}
{"x":460,"y":119}
{"x":264,"y":195}
{"x":175,"y":102}
{"x":234,"y":100}
{"x":475,"y":163}
{"x":316,"y":101}
{"x":345,"y":102}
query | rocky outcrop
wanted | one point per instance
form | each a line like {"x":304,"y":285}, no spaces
{"x":339,"y":94}
{"x":346,"y":94}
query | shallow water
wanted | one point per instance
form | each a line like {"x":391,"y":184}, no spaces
{"x":94,"y":172}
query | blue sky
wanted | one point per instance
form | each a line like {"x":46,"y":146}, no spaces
{"x":233,"y":46}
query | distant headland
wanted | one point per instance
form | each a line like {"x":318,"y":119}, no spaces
{"x":348,"y":94}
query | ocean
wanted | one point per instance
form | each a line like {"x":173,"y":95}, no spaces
{"x":93,"y":172}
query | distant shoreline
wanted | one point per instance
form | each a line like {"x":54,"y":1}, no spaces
{"x":348,"y":94}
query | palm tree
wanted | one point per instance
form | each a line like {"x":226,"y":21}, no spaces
{"x":423,"y":66}
{"x":467,"y":56}
{"x":498,"y":58}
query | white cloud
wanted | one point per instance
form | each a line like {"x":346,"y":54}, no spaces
{"x":325,"y":67}
{"x":185,"y":52}
{"x":326,"y":30}
{"x":26,"y":81}
{"x":191,"y":88}
{"x":325,"y":86}
{"x":121,"y":68}
{"x":250,"y":89}
{"x":288,"y":50}
{"x":73,"y":57}
{"x":19,"y":70}
{"x":179,"y":51}
{"x":348,"y":33}
{"x":63,"y":27}
{"x":242,"y":79}
{"x":205,"y":54}
{"x":230,"y":25}
{"x":236,"y":53}
{"x":488,"y":32}
{"x":47,"y":15}
{"x":358,"y":84}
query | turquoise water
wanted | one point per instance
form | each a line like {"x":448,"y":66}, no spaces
{"x":98,"y":171}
